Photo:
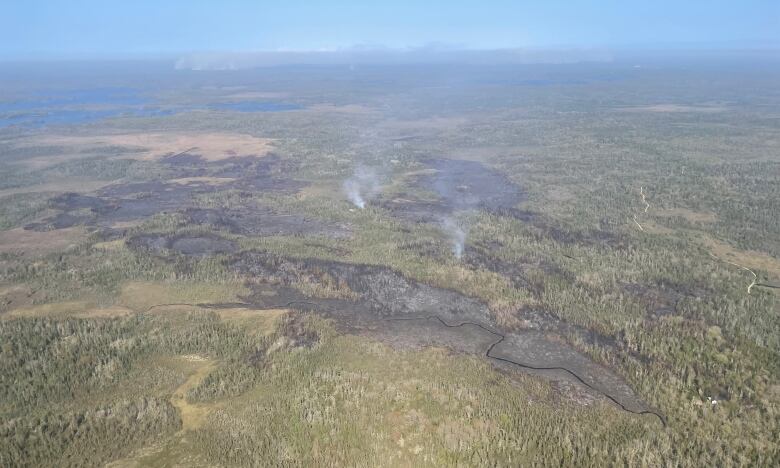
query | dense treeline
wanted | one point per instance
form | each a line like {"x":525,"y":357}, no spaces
{"x":91,"y":437}
{"x":48,"y":365}
{"x":50,"y":360}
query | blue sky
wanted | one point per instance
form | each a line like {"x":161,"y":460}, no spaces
{"x":93,"y":28}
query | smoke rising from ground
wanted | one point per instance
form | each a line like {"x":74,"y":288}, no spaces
{"x":457,"y":234}
{"x":362,"y":186}
{"x":465,"y":187}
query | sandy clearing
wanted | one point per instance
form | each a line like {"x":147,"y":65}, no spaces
{"x":152,"y":146}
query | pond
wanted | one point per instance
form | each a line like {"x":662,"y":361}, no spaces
{"x":80,"y":106}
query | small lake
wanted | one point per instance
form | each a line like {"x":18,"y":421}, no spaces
{"x":72,"y":107}
{"x":41,"y":100}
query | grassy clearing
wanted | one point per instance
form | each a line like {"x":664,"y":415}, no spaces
{"x":193,"y":415}
{"x":256,"y":322}
{"x":150,"y":146}
{"x":111,"y":246}
{"x":141,"y":296}
{"x":758,"y":261}
{"x":74,"y":309}
{"x":37,"y":244}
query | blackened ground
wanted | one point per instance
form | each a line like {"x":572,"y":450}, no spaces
{"x":192,"y":245}
{"x":663,"y":298}
{"x":264,"y":221}
{"x":404,"y":312}
{"x":458,"y":185}
{"x":470,"y":185}
{"x":412,"y":210}
{"x":464,"y":185}
{"x":125,"y":202}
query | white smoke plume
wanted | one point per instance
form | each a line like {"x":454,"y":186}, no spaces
{"x":362,"y":186}
{"x":457,"y":235}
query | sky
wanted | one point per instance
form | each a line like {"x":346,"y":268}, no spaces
{"x":109,"y":28}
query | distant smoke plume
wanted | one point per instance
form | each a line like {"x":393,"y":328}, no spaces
{"x":457,"y":234}
{"x":362,"y":186}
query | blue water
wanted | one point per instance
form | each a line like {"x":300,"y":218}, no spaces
{"x":80,"y":106}
{"x":75,"y":116}
{"x":45,"y":108}
{"x":100,"y":96}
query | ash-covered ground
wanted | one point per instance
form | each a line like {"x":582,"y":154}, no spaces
{"x":366,"y":299}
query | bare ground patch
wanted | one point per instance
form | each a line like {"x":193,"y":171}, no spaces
{"x":155,"y":146}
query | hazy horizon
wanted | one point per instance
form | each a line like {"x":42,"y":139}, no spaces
{"x":88,"y":29}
